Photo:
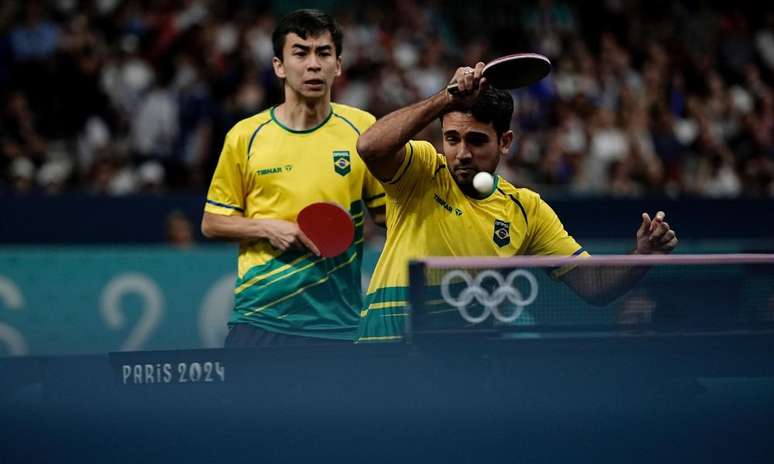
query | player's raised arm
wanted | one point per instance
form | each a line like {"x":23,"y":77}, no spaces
{"x":382,"y":145}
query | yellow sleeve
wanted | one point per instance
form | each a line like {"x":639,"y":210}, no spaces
{"x":420,"y":163}
{"x":548,"y":237}
{"x":373,"y":192}
{"x":226,"y":194}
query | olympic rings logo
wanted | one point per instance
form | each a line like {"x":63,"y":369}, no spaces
{"x":491,"y":301}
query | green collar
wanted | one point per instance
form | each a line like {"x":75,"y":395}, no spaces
{"x":305,"y":131}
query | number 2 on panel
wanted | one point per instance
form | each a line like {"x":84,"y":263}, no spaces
{"x":110,"y":307}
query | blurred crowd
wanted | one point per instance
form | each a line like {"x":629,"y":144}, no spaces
{"x":646,"y":97}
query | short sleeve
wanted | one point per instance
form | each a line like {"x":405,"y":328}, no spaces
{"x":226,"y":194}
{"x":421,"y":162}
{"x":373,"y":192}
{"x":548,"y":237}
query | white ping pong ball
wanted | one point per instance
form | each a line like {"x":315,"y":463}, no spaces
{"x":483,"y":182}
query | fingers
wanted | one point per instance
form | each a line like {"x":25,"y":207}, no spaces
{"x":662,"y":238}
{"x":655,"y":235}
{"x":659,"y":229}
{"x":668,"y":243}
{"x":465,"y":80}
{"x":285,"y":235}
{"x":645,"y":226}
{"x":279,"y":244}
{"x":468,"y":79}
{"x":308,"y":243}
{"x":658,"y":219}
{"x":668,"y":237}
{"x":478,"y":71}
{"x":669,"y":246}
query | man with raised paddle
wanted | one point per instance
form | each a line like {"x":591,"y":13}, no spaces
{"x":435,"y":208}
{"x":289,"y":289}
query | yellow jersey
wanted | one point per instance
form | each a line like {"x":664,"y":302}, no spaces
{"x":428,"y":215}
{"x":267,"y":170}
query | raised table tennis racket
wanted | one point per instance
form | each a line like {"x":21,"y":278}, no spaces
{"x":512,"y":71}
{"x":328,"y":226}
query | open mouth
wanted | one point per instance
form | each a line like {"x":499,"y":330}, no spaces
{"x":314,"y":82}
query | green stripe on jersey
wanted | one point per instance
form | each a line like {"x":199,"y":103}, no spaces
{"x":301,"y":294}
{"x":387,"y":295}
{"x":322,"y":299}
{"x":385,"y":315}
{"x":293,"y":260}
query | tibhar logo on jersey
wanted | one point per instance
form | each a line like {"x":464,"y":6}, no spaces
{"x":502,"y":235}
{"x":274,"y":170}
{"x":447,"y":206}
{"x":341,"y":162}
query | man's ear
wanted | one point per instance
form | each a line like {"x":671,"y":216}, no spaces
{"x":338,"y":66}
{"x":506,"y":140}
{"x":279,"y":67}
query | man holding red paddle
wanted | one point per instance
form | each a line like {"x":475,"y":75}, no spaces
{"x":292,"y":189}
{"x":435,"y":208}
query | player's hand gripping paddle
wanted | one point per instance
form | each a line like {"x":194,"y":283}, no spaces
{"x":512,"y":71}
{"x":328,"y":226}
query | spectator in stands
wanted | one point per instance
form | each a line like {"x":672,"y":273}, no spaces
{"x":183,"y":73}
{"x":179,"y":230}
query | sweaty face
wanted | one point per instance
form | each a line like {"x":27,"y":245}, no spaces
{"x":471,"y":146}
{"x":309,"y":65}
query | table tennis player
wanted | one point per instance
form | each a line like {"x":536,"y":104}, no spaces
{"x":433,"y":208}
{"x":273,"y":165}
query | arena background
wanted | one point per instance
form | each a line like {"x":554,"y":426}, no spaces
{"x":113,"y":114}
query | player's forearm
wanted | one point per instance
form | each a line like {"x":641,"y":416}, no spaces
{"x":601,"y":285}
{"x":231,"y":227}
{"x":388,"y":135}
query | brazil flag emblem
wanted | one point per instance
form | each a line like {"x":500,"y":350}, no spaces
{"x":341,"y":162}
{"x":501,"y":235}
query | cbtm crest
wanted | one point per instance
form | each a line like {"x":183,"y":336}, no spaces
{"x":341,"y":162}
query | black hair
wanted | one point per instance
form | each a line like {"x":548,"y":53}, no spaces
{"x":492,"y":106}
{"x":306,"y":23}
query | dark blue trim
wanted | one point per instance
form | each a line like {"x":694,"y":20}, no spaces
{"x":374,"y":197}
{"x":252,"y":137}
{"x":518,"y":203}
{"x":223,"y":205}
{"x":550,"y":270}
{"x":348,"y":122}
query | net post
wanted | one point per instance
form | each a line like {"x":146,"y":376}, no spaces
{"x":416,"y":296}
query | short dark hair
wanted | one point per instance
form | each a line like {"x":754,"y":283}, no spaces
{"x":493,"y":106}
{"x":306,"y":23}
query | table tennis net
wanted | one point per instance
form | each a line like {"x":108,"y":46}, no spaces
{"x":524,"y":296}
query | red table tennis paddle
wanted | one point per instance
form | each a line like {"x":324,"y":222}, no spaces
{"x":513,"y":71}
{"x":328,"y":226}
